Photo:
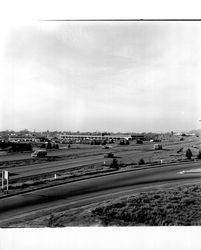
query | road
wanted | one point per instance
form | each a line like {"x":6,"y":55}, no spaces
{"x":91,"y":190}
{"x":82,"y":149}
{"x":27,"y":170}
{"x":52,"y":167}
{"x":61,"y":152}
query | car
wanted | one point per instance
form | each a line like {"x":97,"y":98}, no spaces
{"x":39,"y":153}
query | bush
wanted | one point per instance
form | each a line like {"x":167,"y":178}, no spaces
{"x":114,"y":164}
{"x":189,"y":153}
{"x":17,"y":147}
{"x":199,"y":155}
{"x":49,"y":145}
{"x":104,"y":142}
{"x":56,"y":146}
{"x":141,"y":162}
{"x":121,"y":143}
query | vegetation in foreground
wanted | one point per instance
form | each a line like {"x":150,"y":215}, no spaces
{"x":178,"y":206}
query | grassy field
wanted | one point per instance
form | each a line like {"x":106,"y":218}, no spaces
{"x":179,"y":206}
{"x":128,"y":157}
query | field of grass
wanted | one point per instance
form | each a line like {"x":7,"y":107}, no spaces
{"x":168,"y":154}
{"x":128,"y":160}
{"x":179,"y":206}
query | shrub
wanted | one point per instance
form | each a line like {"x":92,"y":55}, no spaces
{"x":114,"y":164}
{"x":104,"y":142}
{"x":56,"y":146}
{"x":199,"y":155}
{"x":16,"y":147}
{"x":51,"y":221}
{"x":141,"y":162}
{"x":49,"y":145}
{"x":121,"y":143}
{"x":189,"y":153}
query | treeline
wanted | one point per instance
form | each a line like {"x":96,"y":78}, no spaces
{"x":50,"y":145}
{"x":15,"y":146}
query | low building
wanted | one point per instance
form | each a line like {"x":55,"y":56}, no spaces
{"x":22,"y":138}
{"x":101,"y":138}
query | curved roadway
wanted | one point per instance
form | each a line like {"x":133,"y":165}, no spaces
{"x":90,"y":190}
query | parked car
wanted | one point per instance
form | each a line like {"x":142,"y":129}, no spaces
{"x":39,"y":153}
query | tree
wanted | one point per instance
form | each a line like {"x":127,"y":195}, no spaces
{"x":114,"y":164}
{"x":199,"y":155}
{"x":141,"y":162}
{"x":189,"y":153}
{"x":56,"y":146}
{"x":49,"y":145}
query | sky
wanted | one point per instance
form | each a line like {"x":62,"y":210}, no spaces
{"x":101,"y":76}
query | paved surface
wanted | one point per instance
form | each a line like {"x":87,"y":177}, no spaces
{"x":49,"y":167}
{"x":94,"y":189}
{"x":62,"y":152}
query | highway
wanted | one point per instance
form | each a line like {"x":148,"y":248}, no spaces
{"x":91,"y":190}
{"x":78,"y":160}
{"x":51,"y":167}
{"x":89,"y":149}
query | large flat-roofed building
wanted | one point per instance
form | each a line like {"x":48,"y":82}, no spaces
{"x":23,"y":138}
{"x":94,"y":137}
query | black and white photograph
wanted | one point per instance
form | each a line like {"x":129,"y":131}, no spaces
{"x":100,"y":124}
{"x":100,"y":132}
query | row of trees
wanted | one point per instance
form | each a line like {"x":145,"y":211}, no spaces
{"x":50,"y":145}
{"x":15,"y":146}
{"x":189,"y":154}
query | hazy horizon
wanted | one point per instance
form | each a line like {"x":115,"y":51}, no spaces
{"x":101,"y":76}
